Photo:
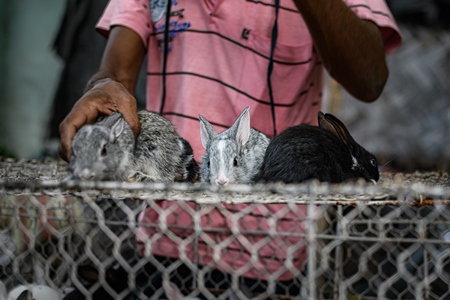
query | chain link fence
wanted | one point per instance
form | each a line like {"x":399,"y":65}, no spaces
{"x":111,"y":240}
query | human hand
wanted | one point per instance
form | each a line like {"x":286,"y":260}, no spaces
{"x":105,"y":97}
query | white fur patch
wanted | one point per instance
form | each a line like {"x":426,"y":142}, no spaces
{"x":181,"y":145}
{"x":89,"y":130}
{"x":355,"y":163}
{"x":221,"y":145}
{"x":220,"y":150}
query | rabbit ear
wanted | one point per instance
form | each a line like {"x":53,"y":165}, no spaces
{"x":109,"y":121}
{"x":25,"y":295}
{"x":333,"y":124}
{"x":324,"y":123}
{"x":207,"y":131}
{"x":88,"y":273}
{"x":241,"y":127}
{"x":116,"y":129}
{"x":172,"y":291}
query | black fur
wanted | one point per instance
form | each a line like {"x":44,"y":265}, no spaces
{"x":305,"y":152}
{"x":189,"y":163}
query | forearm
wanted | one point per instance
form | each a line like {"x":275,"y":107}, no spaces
{"x":351,"y":49}
{"x":110,"y":90}
{"x":122,"y":59}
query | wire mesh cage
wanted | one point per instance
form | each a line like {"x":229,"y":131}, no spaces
{"x":120,"y":240}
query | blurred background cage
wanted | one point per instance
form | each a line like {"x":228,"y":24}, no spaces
{"x":307,"y":241}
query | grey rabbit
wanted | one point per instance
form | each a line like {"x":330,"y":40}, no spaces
{"x":107,"y":150}
{"x":233,"y":156}
{"x":326,"y":152}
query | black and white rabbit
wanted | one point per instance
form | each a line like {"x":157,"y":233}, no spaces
{"x":234,"y":155}
{"x":107,"y":150}
{"x":28,"y":292}
{"x":327,"y":153}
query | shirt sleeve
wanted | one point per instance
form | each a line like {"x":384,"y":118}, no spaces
{"x":378,"y":12}
{"x":134,"y":15}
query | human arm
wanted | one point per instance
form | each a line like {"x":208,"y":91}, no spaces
{"x":351,"y":49}
{"x":110,"y":90}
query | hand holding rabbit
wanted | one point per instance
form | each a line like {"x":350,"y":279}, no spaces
{"x":103,"y":96}
{"x":108,"y":150}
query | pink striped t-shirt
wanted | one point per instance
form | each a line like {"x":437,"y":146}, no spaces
{"x":217,"y":65}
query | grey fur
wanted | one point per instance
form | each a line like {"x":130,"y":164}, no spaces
{"x":112,"y":135}
{"x":233,"y":156}
{"x":158,"y":154}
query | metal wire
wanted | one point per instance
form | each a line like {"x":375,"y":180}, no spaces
{"x":304,"y":241}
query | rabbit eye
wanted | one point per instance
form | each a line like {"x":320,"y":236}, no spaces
{"x":235,"y":163}
{"x":103,"y":153}
{"x":373,"y":162}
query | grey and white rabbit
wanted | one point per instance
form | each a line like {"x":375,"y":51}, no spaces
{"x":234,"y":155}
{"x":327,"y":153}
{"x":107,"y":150}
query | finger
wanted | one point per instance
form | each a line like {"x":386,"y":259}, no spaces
{"x":131,"y":117}
{"x":127,"y":106}
{"x":62,"y":153}
{"x":69,"y":127}
{"x":66,"y":132}
{"x":129,"y":113}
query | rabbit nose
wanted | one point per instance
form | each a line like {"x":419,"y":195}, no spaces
{"x":222,"y":181}
{"x":86,"y":174}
